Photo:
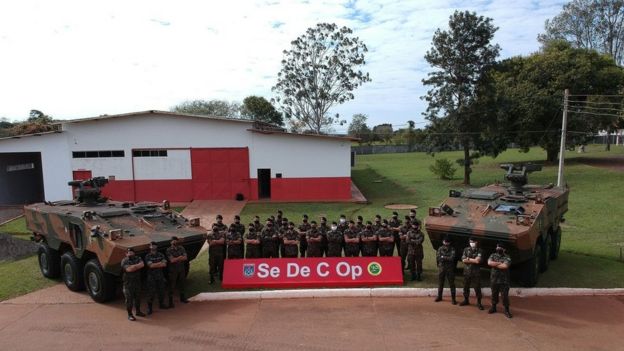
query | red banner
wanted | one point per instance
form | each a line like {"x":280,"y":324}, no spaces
{"x":312,"y":272}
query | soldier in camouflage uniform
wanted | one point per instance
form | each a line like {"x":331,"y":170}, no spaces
{"x":234,"y":241}
{"x":412,"y":216}
{"x":291,"y":240}
{"x":403,"y":229}
{"x":471,"y":257}
{"x":303,"y":231}
{"x":394,"y":224}
{"x":414,"y":240}
{"x":334,"y":241}
{"x":279,"y":221}
{"x":314,"y":238}
{"x":377,"y":224}
{"x":176,"y":255}
{"x":258,"y":225}
{"x":280,"y":236}
{"x":359,"y":224}
{"x":216,"y":250}
{"x":323,"y":229}
{"x":156,"y":263}
{"x":368,"y":238}
{"x":386,"y":240}
{"x":352,"y":241}
{"x":131,"y":266}
{"x":445,"y":257}
{"x":267,"y":238}
{"x":499,"y":263}
{"x":239,"y":228}
{"x":252,"y":241}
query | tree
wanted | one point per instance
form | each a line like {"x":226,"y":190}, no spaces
{"x":383,"y":132}
{"x":260,"y":109}
{"x":530,"y":92}
{"x":460,"y":91}
{"x":5,"y":127}
{"x":590,"y":24}
{"x":217,"y":108}
{"x":321,"y":69}
{"x":37,"y":122}
{"x":359,"y":129}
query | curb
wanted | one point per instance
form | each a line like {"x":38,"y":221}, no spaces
{"x":391,"y":292}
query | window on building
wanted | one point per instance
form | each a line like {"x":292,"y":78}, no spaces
{"x":149,"y":153}
{"x":97,"y":154}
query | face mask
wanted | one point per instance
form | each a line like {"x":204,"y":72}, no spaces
{"x":342,"y":220}
{"x":473,"y":245}
{"x":305,"y":221}
{"x":447,"y":243}
{"x":257,"y":220}
{"x":334,"y":227}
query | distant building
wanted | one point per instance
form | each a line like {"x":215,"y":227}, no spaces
{"x":157,"y":155}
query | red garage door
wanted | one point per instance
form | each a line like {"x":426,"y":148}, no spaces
{"x":220,"y":174}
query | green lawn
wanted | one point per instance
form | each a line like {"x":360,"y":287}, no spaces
{"x":593,"y":230}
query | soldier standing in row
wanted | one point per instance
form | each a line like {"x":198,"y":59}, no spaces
{"x":252,"y":242}
{"x":323,"y":229}
{"x":386,"y":240}
{"x":500,"y":262}
{"x":405,"y":227}
{"x":216,"y":250}
{"x":445,"y":257}
{"x":334,"y":241}
{"x":131,"y":265}
{"x":267,"y":238}
{"x":394,"y":224}
{"x":291,"y":239}
{"x":156,"y":263}
{"x":234,"y":241}
{"x":377,"y":224}
{"x":258,"y":225}
{"x":414,"y":240}
{"x":471,"y":257}
{"x":368,"y":239}
{"x":176,"y":255}
{"x":352,"y":241}
{"x":412,"y":216}
{"x":240,"y":229}
{"x":314,"y":238}
{"x":303,"y":231}
{"x":280,"y":236}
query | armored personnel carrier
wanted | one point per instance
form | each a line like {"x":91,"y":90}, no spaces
{"x":526,"y":218}
{"x":84,"y":240}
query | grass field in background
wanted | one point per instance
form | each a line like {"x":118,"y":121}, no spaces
{"x":593,"y":230}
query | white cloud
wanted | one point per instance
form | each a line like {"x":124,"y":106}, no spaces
{"x":74,"y":59}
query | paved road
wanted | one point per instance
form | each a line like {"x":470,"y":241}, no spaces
{"x":63,"y":321}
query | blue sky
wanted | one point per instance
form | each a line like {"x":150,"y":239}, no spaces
{"x":75,"y":59}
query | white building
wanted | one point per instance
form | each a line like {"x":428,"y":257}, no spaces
{"x":156,"y":155}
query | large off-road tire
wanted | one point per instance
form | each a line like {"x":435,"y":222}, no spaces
{"x":72,"y":271}
{"x":545,"y":254}
{"x":100,"y":285}
{"x":556,"y":244}
{"x":49,"y":261}
{"x":529,"y":272}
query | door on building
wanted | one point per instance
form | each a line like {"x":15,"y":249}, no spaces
{"x":220,"y":173}
{"x":21,"y":178}
{"x":264,"y":183}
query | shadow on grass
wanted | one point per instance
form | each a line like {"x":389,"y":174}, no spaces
{"x":376,"y":187}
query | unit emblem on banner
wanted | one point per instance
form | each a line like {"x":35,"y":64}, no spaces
{"x":249,"y":269}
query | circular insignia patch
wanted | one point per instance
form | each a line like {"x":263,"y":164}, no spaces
{"x":374,"y":269}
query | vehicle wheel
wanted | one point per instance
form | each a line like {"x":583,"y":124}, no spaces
{"x":545,"y":254}
{"x":99,"y":284}
{"x":556,"y":244}
{"x":49,"y":261}
{"x":71,"y":271}
{"x":530,"y":269}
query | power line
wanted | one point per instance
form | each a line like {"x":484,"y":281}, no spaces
{"x":594,"y":102}
{"x":598,"y":95}
{"x":595,"y":114}
{"x":597,"y":108}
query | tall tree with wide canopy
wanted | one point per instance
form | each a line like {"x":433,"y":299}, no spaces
{"x":260,"y":109}
{"x":218,"y":108}
{"x":322,"y":69}
{"x":459,"y":94}
{"x":530,"y":91}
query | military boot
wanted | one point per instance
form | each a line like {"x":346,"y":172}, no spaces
{"x":130,"y":316}
{"x":439,"y":298}
{"x":465,"y":302}
{"x":507,"y":313}
{"x":139,"y":313}
{"x":149,"y":308}
{"x":171,"y":302}
{"x":492,"y":309}
{"x":183,"y":299}
{"x":453,"y":301}
{"x":479,"y":305}
{"x":211,"y":279}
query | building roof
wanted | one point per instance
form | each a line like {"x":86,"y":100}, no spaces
{"x":31,"y":135}
{"x":325,"y":136}
{"x":155,"y":112}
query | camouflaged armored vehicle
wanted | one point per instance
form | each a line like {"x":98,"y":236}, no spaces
{"x":84,"y":240}
{"x":525,"y":217}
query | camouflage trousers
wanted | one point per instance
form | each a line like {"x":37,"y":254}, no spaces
{"x":503,"y":289}
{"x":215,"y":261}
{"x":132,"y":295}
{"x":386,"y":249}
{"x":290,"y":251}
{"x":235,"y":251}
{"x":253,"y":251}
{"x":352,"y":250}
{"x":176,"y":279}
{"x":472,"y":280}
{"x":156,"y":286}
{"x":268,"y":251}
{"x":334,"y":250}
{"x":303,"y":247}
{"x":403,"y":254}
{"x":415,"y":264}
{"x":369,"y":249}
{"x":446,"y":273}
{"x":315,"y":250}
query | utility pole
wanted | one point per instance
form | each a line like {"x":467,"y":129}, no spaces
{"x":564,"y":125}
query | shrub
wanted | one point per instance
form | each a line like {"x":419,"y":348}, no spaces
{"x":443,"y":168}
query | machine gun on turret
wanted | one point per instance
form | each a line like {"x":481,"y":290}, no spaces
{"x":89,"y":191}
{"x":517,"y":174}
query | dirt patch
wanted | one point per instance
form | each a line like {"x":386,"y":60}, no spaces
{"x":400,"y":207}
{"x":613,"y":163}
{"x":13,"y":249}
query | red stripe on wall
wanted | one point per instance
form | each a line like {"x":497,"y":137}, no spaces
{"x":308,"y":189}
{"x":176,"y":190}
